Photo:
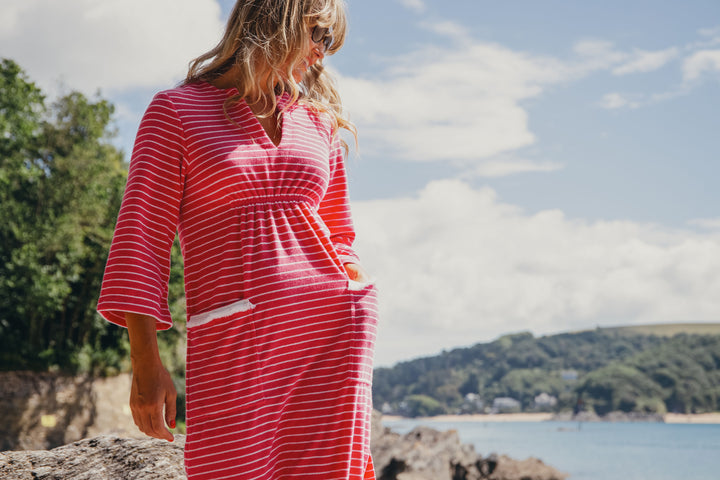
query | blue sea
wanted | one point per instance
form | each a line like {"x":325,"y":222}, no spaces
{"x":597,"y":451}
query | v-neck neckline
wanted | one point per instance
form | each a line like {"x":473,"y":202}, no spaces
{"x":264,"y":137}
{"x":261,"y":138}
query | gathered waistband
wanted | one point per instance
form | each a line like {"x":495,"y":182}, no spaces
{"x":273,"y":200}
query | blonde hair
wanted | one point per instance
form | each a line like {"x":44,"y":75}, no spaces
{"x":263,"y":40}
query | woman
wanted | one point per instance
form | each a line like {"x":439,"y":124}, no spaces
{"x":244,"y":160}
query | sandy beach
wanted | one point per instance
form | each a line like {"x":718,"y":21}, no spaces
{"x":497,"y":417}
{"x":700,"y":418}
{"x":709,"y":418}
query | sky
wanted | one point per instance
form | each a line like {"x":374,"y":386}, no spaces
{"x":528,"y":165}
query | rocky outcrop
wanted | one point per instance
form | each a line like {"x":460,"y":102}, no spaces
{"x":423,"y":454}
{"x":39,"y":411}
{"x":428,"y":454}
{"x":100,"y":458}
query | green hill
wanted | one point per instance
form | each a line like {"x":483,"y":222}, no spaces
{"x":649,"y":369}
{"x":667,"y":329}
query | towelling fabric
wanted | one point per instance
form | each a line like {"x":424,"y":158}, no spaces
{"x":280,"y":341}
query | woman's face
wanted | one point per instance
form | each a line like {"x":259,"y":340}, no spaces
{"x":317,"y":41}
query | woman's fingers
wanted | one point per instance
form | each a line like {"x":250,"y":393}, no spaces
{"x":151,"y":423}
{"x":158,"y":428}
{"x":356,"y":272}
{"x":170,"y":407}
{"x":152,"y":392}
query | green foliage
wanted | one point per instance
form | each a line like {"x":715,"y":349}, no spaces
{"x":171,"y":343}
{"x":61,"y":184}
{"x":524,"y":384}
{"x":618,"y":387}
{"x":421,"y":406}
{"x":615,"y":371}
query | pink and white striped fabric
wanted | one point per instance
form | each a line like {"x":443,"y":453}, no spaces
{"x":280,"y":341}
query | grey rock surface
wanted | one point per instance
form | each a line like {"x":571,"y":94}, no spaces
{"x":101,"y":458}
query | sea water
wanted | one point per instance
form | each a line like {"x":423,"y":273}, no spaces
{"x":596,"y":451}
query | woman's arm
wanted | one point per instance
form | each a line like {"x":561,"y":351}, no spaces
{"x":138,"y":267}
{"x":152,"y":388}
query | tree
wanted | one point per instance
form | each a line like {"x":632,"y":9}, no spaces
{"x":61,"y":183}
{"x":621,"y":387}
{"x":422,"y":406}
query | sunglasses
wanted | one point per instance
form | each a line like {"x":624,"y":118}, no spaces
{"x":322,"y":35}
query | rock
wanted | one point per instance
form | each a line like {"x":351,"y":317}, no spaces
{"x":423,"y":454}
{"x":428,"y":454}
{"x":101,"y":458}
{"x":528,"y":469}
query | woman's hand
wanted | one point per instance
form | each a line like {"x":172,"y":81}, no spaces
{"x":152,"y":391}
{"x":356,"y":272}
{"x":152,"y":388}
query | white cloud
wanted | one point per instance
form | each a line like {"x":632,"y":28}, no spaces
{"x":456,"y":266}
{"x":466,"y":104}
{"x":598,"y":55}
{"x":613,"y":101}
{"x":701,"y":62}
{"x":110,"y":45}
{"x":414,"y":5}
{"x":643,"y":62}
{"x":710,"y":32}
{"x":451,"y":104}
{"x":504,"y":167}
{"x":706,"y":223}
{"x":710,"y":38}
{"x":449,"y":29}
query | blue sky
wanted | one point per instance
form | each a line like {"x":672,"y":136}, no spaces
{"x":523,"y":165}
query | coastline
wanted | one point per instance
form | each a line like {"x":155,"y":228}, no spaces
{"x":693,"y":418}
{"x":674,"y":418}
{"x":491,"y":417}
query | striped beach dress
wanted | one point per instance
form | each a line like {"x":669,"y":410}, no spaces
{"x":280,"y":340}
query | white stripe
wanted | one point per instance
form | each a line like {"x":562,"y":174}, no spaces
{"x":355,"y":286}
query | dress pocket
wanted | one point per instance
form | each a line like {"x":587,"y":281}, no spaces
{"x":222,"y":312}
{"x":363,"y":297}
{"x":223,"y":370}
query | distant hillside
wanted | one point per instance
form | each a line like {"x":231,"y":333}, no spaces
{"x":666,"y":329}
{"x":652,"y":368}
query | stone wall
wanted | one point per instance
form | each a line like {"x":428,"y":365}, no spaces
{"x":43,"y":410}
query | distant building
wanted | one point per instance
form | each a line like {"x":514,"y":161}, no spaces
{"x":545,"y":401}
{"x":472,"y":404}
{"x":569,"y":375}
{"x":506,"y":405}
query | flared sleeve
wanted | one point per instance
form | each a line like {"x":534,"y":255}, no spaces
{"x":335,"y":207}
{"x":138,"y":267}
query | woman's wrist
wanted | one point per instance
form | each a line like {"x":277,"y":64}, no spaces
{"x":143,"y":340}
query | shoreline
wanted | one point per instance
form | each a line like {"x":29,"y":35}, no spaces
{"x":670,"y":418}
{"x":479,"y":417}
{"x":693,"y":418}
